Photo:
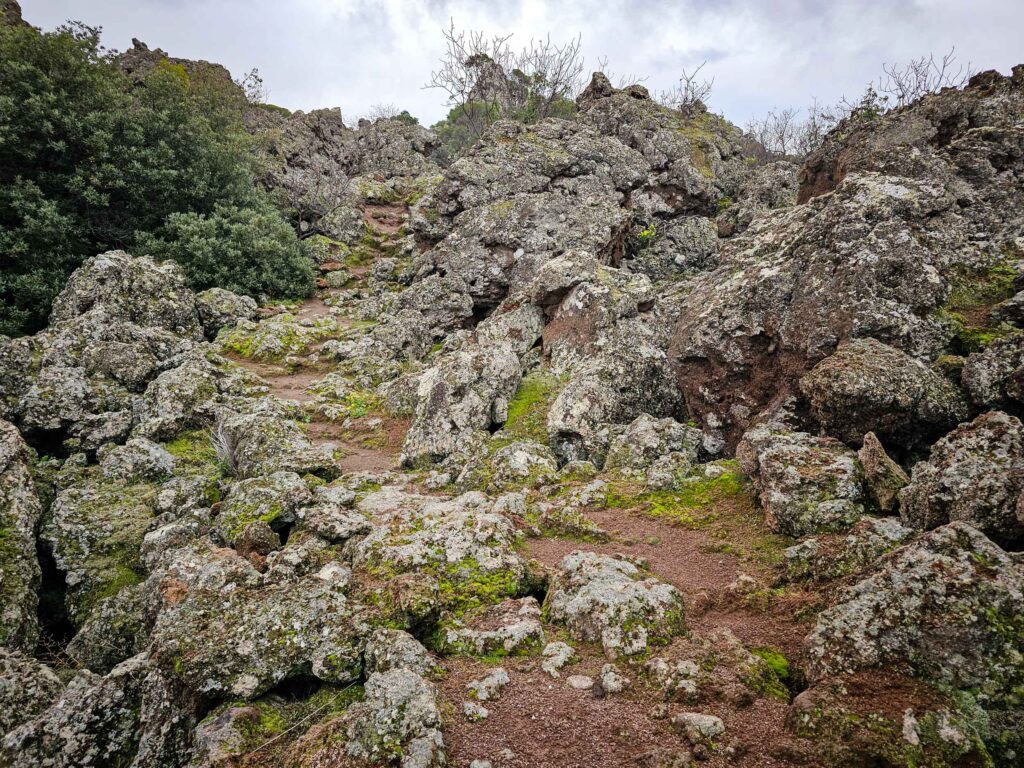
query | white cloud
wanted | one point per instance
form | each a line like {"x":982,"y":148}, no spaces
{"x":355,"y":53}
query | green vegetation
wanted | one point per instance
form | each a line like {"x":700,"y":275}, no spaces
{"x":721,"y":505}
{"x":90,"y":161}
{"x":528,"y":409}
{"x":973,"y":294}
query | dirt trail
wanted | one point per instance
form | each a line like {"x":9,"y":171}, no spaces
{"x":364,"y":444}
{"x":539,"y":722}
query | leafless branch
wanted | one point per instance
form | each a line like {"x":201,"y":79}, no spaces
{"x":690,"y":91}
{"x":907,"y":83}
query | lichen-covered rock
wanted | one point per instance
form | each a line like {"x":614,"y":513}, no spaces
{"x":331,"y":516}
{"x":388,"y":649}
{"x":261,"y":443}
{"x":522,"y":463}
{"x":93,"y":723}
{"x":184,"y":397}
{"x":458,"y":550}
{"x":510,"y":627}
{"x":95,"y":530}
{"x":883,"y":477}
{"x":27,"y":687}
{"x":244,"y":642}
{"x":138,"y":460}
{"x":806,"y":484}
{"x":611,"y":601}
{"x":399,"y":719}
{"x":994,"y":378}
{"x":867,"y":386}
{"x":975,"y":474}
{"x":636,"y":447}
{"x":256,"y":508}
{"x":219,"y":308}
{"x":470,"y":389}
{"x":827,"y":558}
{"x":135,"y":289}
{"x":676,"y":247}
{"x":20,"y":514}
{"x":947,"y":606}
{"x":115,"y":630}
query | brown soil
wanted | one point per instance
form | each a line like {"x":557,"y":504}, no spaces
{"x":387,"y":219}
{"x":544,"y":722}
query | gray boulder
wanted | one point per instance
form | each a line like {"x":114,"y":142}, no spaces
{"x":219,"y":308}
{"x":975,"y":474}
{"x":867,"y":386}
{"x":611,"y":601}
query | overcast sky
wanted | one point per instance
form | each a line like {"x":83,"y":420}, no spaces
{"x":356,"y":53}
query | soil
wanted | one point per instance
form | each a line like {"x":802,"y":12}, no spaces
{"x":540,"y":722}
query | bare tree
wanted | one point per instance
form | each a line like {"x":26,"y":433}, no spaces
{"x":382,"y":112}
{"x":252,"y":83}
{"x":907,"y":83}
{"x":483,"y":78}
{"x":690,"y":91}
{"x":620,"y":81}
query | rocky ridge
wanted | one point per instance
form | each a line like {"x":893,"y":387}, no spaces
{"x":600,"y":402}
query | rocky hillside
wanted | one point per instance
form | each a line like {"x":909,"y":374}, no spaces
{"x":602,"y":445}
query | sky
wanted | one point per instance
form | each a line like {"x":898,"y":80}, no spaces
{"x":354,"y":54}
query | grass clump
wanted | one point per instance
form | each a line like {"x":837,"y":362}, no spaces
{"x":528,"y":409}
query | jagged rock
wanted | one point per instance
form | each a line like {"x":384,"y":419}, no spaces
{"x":883,"y":477}
{"x":261,"y":444}
{"x":470,"y":390}
{"x":677,"y":247}
{"x":27,"y":688}
{"x":867,"y":386}
{"x":612,"y":681}
{"x":806,"y":484}
{"x":388,"y":649}
{"x":20,"y":514}
{"x":995,"y":378}
{"x":219,"y":308}
{"x":93,"y":723}
{"x":523,"y":463}
{"x":458,"y":550}
{"x":510,"y":627}
{"x":243,"y":642}
{"x":95,"y":530}
{"x":331,"y":516}
{"x":608,"y":600}
{"x":256,"y":508}
{"x":490,"y":686}
{"x":948,"y":606}
{"x":975,"y":474}
{"x":699,"y":727}
{"x":766,"y":188}
{"x":824,"y":559}
{"x":556,"y":655}
{"x":398,"y":716}
{"x":115,"y":630}
{"x":182,"y":398}
{"x":138,"y":460}
{"x":134,"y":289}
{"x":636,"y":447}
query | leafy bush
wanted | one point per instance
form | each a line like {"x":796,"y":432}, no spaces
{"x":89,"y":160}
{"x":249,"y":250}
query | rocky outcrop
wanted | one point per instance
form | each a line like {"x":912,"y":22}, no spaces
{"x":947,"y":607}
{"x":975,"y":474}
{"x":611,"y":601}
{"x":867,"y":386}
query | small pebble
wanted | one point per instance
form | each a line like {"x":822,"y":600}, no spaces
{"x":580,"y":682}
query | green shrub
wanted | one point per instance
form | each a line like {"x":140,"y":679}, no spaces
{"x":91,"y":161}
{"x":250,"y":250}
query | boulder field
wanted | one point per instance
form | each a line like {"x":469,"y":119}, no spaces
{"x":601,"y":445}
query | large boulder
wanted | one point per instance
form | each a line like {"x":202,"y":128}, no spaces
{"x":244,"y":642}
{"x":27,"y":687}
{"x":948,"y":607}
{"x":132,"y":289}
{"x":994,"y":378}
{"x":806,"y":484}
{"x":20,"y":514}
{"x":975,"y":474}
{"x":609,"y":600}
{"x":868,"y":386}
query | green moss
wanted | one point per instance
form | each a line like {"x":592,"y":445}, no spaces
{"x":528,"y":409}
{"x":723,"y":203}
{"x":973,"y":294}
{"x":775,"y":659}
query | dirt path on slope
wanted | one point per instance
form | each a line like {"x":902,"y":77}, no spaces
{"x":365,"y":444}
{"x":540,"y":722}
